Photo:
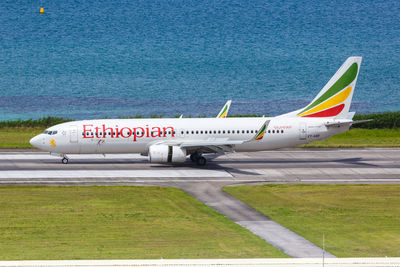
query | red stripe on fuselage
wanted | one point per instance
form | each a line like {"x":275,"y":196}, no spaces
{"x":328,"y":112}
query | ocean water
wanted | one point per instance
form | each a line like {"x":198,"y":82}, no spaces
{"x":95,"y":59}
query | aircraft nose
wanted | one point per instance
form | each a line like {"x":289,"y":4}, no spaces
{"x":35,"y":141}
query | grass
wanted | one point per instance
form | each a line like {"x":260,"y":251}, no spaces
{"x":357,"y":220}
{"x":361,"y":138}
{"x":117,"y":222}
{"x":19,"y":138}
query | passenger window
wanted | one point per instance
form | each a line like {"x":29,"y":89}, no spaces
{"x":215,"y":132}
{"x":201,"y":132}
{"x":247,"y":131}
{"x":223,"y":131}
{"x":273,"y":131}
{"x":281,"y":131}
{"x":229,"y":131}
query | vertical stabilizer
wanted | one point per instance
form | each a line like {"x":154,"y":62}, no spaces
{"x":224,"y":111}
{"x":334,"y":100}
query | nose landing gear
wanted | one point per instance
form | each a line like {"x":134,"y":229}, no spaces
{"x":64,"y":160}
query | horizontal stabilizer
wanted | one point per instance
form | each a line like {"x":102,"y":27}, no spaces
{"x":338,"y":123}
{"x":361,"y":121}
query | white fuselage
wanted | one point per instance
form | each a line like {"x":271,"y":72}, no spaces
{"x":136,"y":135}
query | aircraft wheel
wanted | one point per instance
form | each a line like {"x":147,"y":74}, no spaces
{"x":201,"y":161}
{"x":194,"y":157}
{"x":64,"y":160}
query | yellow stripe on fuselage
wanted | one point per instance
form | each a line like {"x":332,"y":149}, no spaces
{"x":339,"y":98}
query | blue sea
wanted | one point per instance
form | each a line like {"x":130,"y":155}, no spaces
{"x":96,"y":59}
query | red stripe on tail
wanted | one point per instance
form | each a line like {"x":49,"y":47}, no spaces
{"x":328,"y":112}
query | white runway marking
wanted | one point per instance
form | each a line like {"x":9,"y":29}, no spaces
{"x":153,"y":181}
{"x":113,"y":174}
{"x":41,"y":156}
{"x":298,"y":172}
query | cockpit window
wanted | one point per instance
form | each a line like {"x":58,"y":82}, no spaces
{"x":50,"y":132}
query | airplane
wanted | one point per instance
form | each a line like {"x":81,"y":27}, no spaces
{"x":172,"y":140}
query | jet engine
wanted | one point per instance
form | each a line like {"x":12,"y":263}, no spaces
{"x":165,"y":153}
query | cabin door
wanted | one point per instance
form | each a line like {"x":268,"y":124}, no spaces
{"x":303,"y":131}
{"x":73,"y":133}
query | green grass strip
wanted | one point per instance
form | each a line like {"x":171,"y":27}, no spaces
{"x":361,"y":138}
{"x":18,"y":137}
{"x":357,"y":220}
{"x":117,"y":222}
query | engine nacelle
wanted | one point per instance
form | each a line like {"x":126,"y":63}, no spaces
{"x":165,"y":153}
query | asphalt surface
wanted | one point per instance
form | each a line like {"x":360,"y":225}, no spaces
{"x":329,"y":166}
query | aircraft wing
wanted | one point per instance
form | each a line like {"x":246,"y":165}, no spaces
{"x":216,"y":145}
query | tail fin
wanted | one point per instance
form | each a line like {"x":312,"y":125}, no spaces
{"x":224,"y":111}
{"x":335,"y":98}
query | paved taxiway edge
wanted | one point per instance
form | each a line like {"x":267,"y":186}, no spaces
{"x":280,"y":237}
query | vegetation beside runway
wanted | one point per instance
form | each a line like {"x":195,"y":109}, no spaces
{"x":357,"y":220}
{"x":361,"y":138}
{"x":117,"y":222}
{"x":18,"y":137}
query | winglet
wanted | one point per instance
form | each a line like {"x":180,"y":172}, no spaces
{"x":224,"y":111}
{"x":260,"y":133}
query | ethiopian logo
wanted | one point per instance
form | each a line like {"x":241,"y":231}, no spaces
{"x":261,"y":132}
{"x":52,"y":143}
{"x":331,"y":103}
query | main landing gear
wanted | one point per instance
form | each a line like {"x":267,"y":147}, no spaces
{"x":198,"y":159}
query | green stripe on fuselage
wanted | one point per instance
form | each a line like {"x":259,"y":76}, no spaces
{"x":341,"y":83}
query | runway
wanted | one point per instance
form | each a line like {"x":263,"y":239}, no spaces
{"x":285,"y":166}
{"x":325,"y":166}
